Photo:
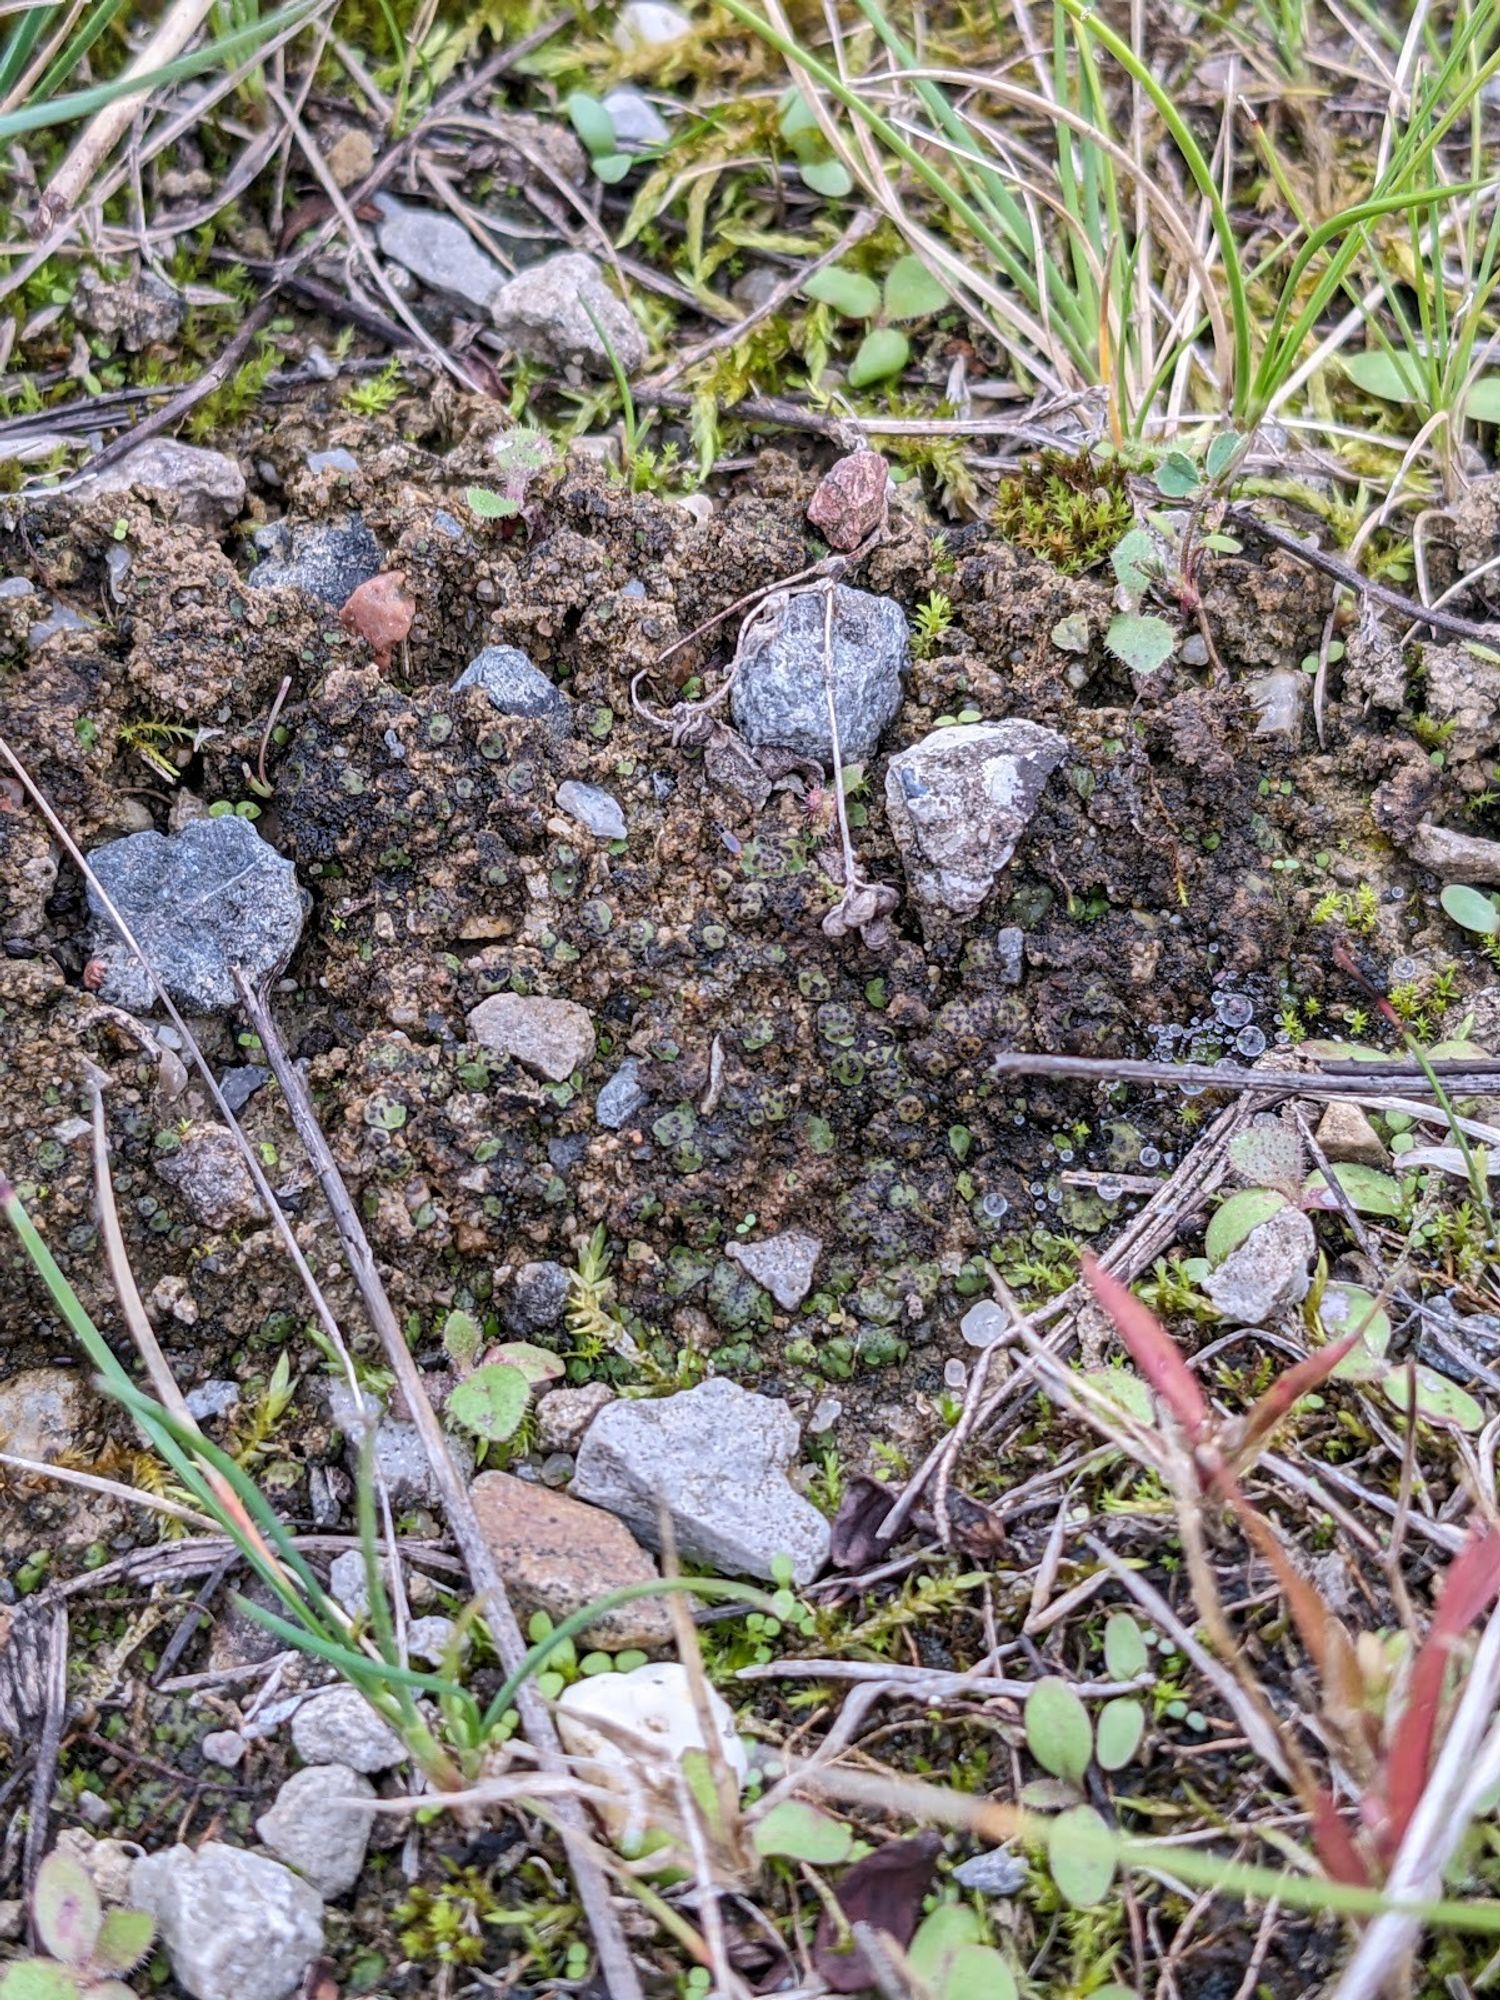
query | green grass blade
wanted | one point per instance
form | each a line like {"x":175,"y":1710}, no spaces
{"x":91,"y":29}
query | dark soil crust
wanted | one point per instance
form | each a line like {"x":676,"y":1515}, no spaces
{"x":1174,"y":853}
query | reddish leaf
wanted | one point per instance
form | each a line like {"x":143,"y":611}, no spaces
{"x":1470,"y":1587}
{"x":865,"y":1503}
{"x":1341,"y":1859}
{"x":1152,"y":1349}
{"x":1287,"y":1389}
{"x":1309,"y":1612}
{"x":380,"y":612}
{"x":885,"y":1890}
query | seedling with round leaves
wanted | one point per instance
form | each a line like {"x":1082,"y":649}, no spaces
{"x":1065,"y":1742}
{"x":87,"y":1949}
{"x":909,"y":291}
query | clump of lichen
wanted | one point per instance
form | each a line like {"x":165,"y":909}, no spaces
{"x":1072,"y":511}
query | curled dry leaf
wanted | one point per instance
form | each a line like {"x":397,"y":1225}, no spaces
{"x":885,"y":1891}
{"x":380,"y":612}
{"x":850,"y":503}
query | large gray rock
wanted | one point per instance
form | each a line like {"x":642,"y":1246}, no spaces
{"x":236,"y":1926}
{"x":516,"y":687}
{"x":958,"y":802}
{"x":318,"y":1826}
{"x":205,"y":488}
{"x":551,"y":1038}
{"x":541,"y":314}
{"x":784,"y":1264}
{"x":213,"y":896}
{"x":1268,"y":1272}
{"x":716,"y":1457}
{"x":437,"y":249}
{"x":340,"y":1727}
{"x":327,"y":559}
{"x":780,"y":693}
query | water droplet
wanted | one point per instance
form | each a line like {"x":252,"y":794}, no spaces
{"x":992,"y":1206}
{"x":955,"y":1374}
{"x":983,"y":1324}
{"x":1065,"y":1154}
{"x":1109,"y":1188}
{"x":1150,"y":1156}
{"x":1250,"y":1041}
{"x":1235,"y":1010}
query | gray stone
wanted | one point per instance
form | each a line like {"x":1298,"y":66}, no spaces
{"x":516,"y":687}
{"x":621,"y":1097}
{"x":206,"y":488}
{"x":636,"y":120}
{"x":537,"y":1299}
{"x":224,"y":1747}
{"x":959,"y":801}
{"x":208,"y":1170}
{"x":1268,"y":1272}
{"x":716,"y":1456}
{"x":1453,"y":856}
{"x":428,"y":1639}
{"x":649,"y":24}
{"x":60,"y":618}
{"x":212,"y":1399}
{"x":43,"y":1413}
{"x":593,"y":808}
{"x":437,"y":249}
{"x":780,"y":693}
{"x":1462,"y":689}
{"x":563,"y":1415}
{"x":348,"y":1583}
{"x":401,"y":1459}
{"x":318,"y":1827}
{"x":1345,"y":1133}
{"x":784,"y":1264}
{"x":327,"y":559}
{"x":998,"y":1873}
{"x":335,"y":460}
{"x":556,"y":1555}
{"x":551,"y":1038}
{"x":212,"y":896}
{"x":240,"y":1084}
{"x":1010,"y":952}
{"x":540,"y":313}
{"x":236,"y":1926}
{"x":340,"y":1727}
{"x":134,"y":312}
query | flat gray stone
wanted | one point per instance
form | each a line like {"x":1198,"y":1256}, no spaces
{"x":317,"y":1826}
{"x":336,"y":459}
{"x":327,"y":559}
{"x":340,"y":1727}
{"x":212,"y":1399}
{"x":44,"y":1412}
{"x":206,"y":488}
{"x":716,"y":1456}
{"x":213,"y":896}
{"x":551,"y":1038}
{"x":537,"y":1298}
{"x":959,"y":801}
{"x":437,"y":249}
{"x":593,"y":808}
{"x":648,"y":24}
{"x":621,"y":1098}
{"x":780,"y":696}
{"x":997,"y":1873}
{"x":236,"y":1926}
{"x":541,"y":314}
{"x":1268,"y":1272}
{"x":784,"y":1264}
{"x":563,"y":1415}
{"x":400,"y":1456}
{"x":636,"y":120}
{"x":516,"y":687}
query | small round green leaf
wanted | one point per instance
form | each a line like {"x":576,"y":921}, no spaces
{"x":124,"y":1940}
{"x":491,"y":1402}
{"x":1140,"y":641}
{"x":36,"y":1979}
{"x":911,"y":291}
{"x":591,"y":122}
{"x":1438,"y":1400}
{"x":491,"y":506}
{"x":1234,"y":1219}
{"x":1267,"y":1156}
{"x":1379,"y":374}
{"x":537,"y":1364}
{"x":1369,"y":1191}
{"x":611,"y":167}
{"x":1081,"y":1856}
{"x":938,"y":1937}
{"x":802,"y":1833}
{"x":1471,"y":908}
{"x":1345,"y":1309}
{"x":1125,"y":1390}
{"x":1125,"y":1654}
{"x":977,"y":1972}
{"x":65,"y":1908}
{"x":883,"y":352}
{"x":1482,"y":404}
{"x":829,"y":178}
{"x":1058,"y":1729}
{"x":1221,"y":451}
{"x":848,"y":292}
{"x":1118,"y":1733}
{"x":1177,"y":476}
